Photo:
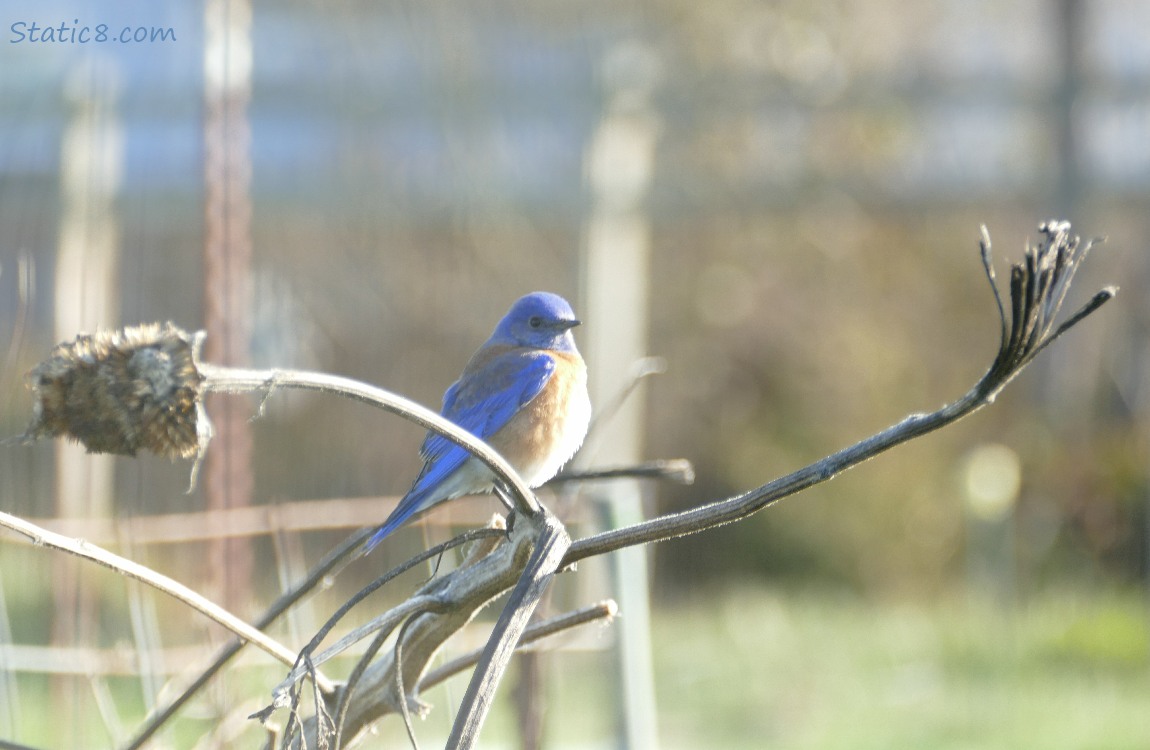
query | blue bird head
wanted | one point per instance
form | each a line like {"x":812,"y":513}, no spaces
{"x":540,"y":320}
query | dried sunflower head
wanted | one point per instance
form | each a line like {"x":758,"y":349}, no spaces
{"x":120,"y":391}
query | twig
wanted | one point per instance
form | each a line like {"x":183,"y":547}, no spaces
{"x":461,"y":593}
{"x":143,"y":387}
{"x":286,"y":694}
{"x":640,"y":369}
{"x":551,"y":542}
{"x":278,"y":607}
{"x":678,"y":470}
{"x":158,"y":581}
{"x":400,"y":689}
{"x":230,"y":380}
{"x":606,"y":610}
{"x":1038,"y":287}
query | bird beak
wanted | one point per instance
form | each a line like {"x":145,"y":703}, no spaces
{"x":565,"y":325}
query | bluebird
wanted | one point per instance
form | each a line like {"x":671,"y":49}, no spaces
{"x":524,"y":391}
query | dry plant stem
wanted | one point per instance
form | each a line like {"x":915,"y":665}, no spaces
{"x":229,"y":380}
{"x":400,"y":689}
{"x":278,"y":607}
{"x":642,"y":368}
{"x":602,"y":611}
{"x":538,"y":544}
{"x":1037,"y":291}
{"x":460,"y":594}
{"x":288,"y":693}
{"x":484,"y":547}
{"x":551,"y":543}
{"x":385,"y":622}
{"x":739,"y":507}
{"x":477,"y":585}
{"x":158,"y":581}
{"x":353,"y":680}
{"x":677,"y":470}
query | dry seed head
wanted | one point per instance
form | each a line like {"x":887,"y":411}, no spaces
{"x":120,"y":391}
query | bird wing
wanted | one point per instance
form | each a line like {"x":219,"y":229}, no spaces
{"x":482,"y":401}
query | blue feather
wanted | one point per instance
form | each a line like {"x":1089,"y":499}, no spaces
{"x":490,"y":392}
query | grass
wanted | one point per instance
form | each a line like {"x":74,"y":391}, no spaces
{"x":799,"y":670}
{"x":760,"y":669}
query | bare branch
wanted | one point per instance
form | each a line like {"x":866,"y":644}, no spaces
{"x":1038,"y":286}
{"x":458,"y":596}
{"x":287,"y":693}
{"x":229,"y":380}
{"x":321,"y":571}
{"x":551,"y":543}
{"x":606,"y":610}
{"x":641,"y":369}
{"x":678,"y":470}
{"x":142,"y":388}
{"x":158,"y":581}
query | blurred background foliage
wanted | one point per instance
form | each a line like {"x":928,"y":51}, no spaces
{"x":820,"y":174}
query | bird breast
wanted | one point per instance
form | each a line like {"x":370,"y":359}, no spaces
{"x":548,"y":430}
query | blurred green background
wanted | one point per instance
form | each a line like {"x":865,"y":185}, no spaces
{"x":818,"y":175}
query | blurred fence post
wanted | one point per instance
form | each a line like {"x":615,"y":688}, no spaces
{"x":87,"y":268}
{"x":227,"y":279}
{"x":1069,"y":17}
{"x":615,"y":300}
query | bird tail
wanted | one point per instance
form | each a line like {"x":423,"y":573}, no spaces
{"x":381,"y":533}
{"x":412,"y":503}
{"x":436,"y":483}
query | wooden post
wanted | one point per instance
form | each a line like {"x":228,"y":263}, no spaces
{"x":227,"y":279}
{"x":87,"y":289}
{"x":615,"y":306}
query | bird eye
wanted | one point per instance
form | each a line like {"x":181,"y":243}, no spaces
{"x":535,"y":321}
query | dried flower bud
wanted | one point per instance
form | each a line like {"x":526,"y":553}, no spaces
{"x":120,"y":391}
{"x":1038,"y":287}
